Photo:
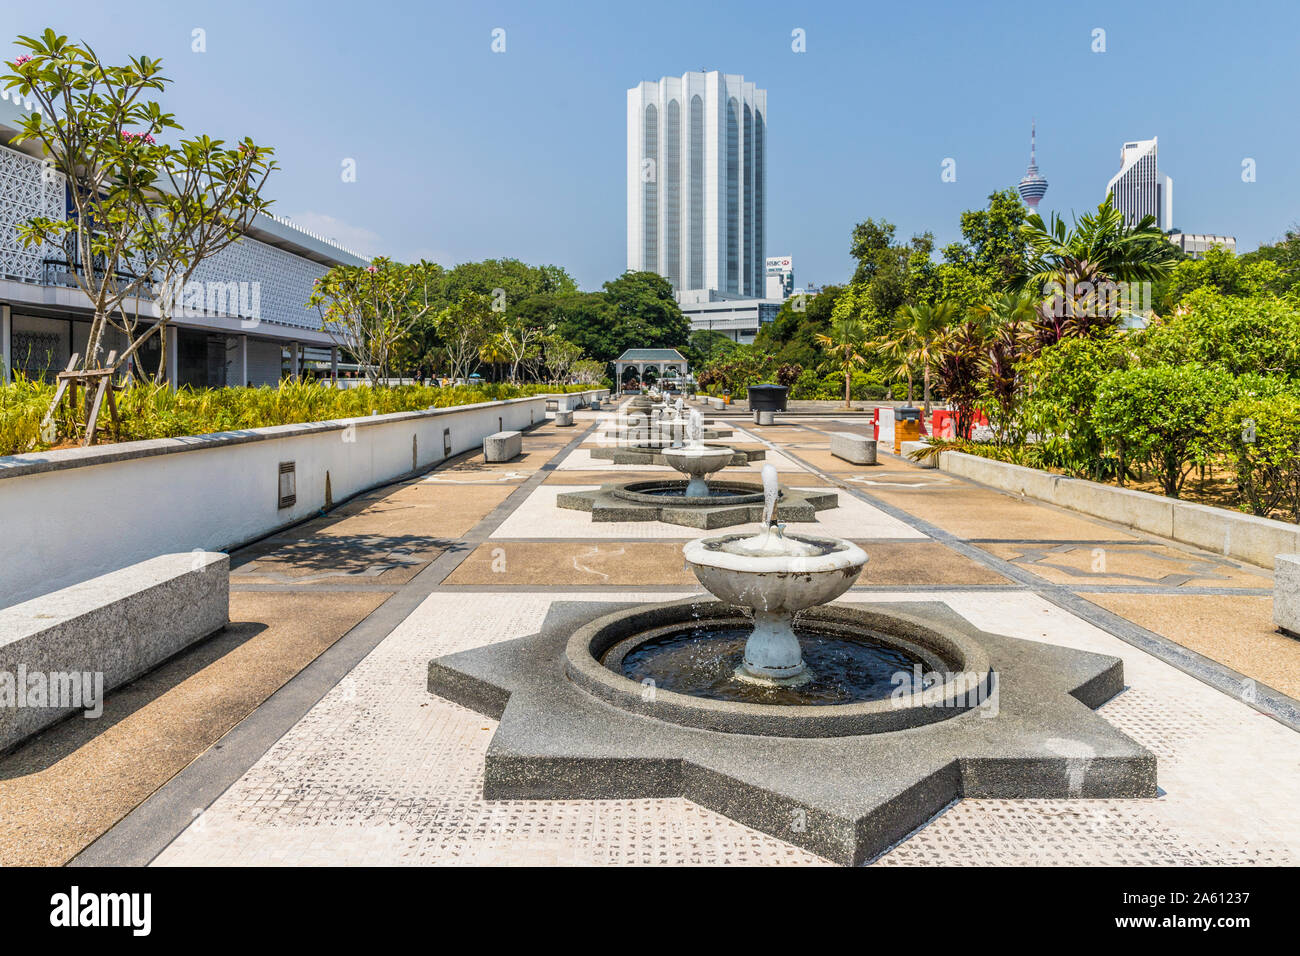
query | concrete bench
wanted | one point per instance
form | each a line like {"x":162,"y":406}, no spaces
{"x":564,"y":419}
{"x":858,"y":449}
{"x":1286,"y":593}
{"x":906,"y":448}
{"x":504,"y":446}
{"x":59,"y":653}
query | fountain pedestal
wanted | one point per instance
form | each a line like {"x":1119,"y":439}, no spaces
{"x":772,"y":653}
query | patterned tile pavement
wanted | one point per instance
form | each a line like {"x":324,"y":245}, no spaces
{"x":381,"y":772}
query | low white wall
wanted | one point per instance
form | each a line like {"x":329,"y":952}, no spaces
{"x":1231,"y":533}
{"x":71,"y":515}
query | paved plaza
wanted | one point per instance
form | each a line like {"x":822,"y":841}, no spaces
{"x":304,"y":734}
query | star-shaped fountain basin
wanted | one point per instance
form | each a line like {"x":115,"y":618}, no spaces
{"x":843,"y":781}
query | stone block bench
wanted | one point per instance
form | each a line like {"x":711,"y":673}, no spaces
{"x":564,"y":419}
{"x":906,"y":448}
{"x":858,"y":449}
{"x":504,"y":446}
{"x":59,"y":653}
{"x":1286,"y":593}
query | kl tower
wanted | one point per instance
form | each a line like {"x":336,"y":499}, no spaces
{"x":1033,"y":187}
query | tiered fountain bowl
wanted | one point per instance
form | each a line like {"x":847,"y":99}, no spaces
{"x":771,"y":655}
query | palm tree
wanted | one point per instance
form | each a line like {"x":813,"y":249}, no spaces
{"x":898,"y":349}
{"x":845,"y":346}
{"x":926,"y":324}
{"x":1078,"y":267}
{"x":494,"y":351}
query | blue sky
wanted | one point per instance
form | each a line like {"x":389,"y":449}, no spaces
{"x":462,"y":153}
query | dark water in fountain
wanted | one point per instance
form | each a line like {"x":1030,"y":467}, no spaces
{"x":681,"y":493}
{"x":702,"y":661}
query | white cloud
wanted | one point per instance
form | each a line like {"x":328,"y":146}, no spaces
{"x":356,"y":238}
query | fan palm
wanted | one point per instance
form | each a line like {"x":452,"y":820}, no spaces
{"x":845,"y":347}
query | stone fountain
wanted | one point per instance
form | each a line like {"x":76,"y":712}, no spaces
{"x":699,"y":501}
{"x":836,"y":727}
{"x":697,"y":459}
{"x":776,"y":576}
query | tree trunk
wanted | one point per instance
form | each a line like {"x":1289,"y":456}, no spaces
{"x":848,"y":388}
{"x":927,"y":392}
{"x":93,"y":341}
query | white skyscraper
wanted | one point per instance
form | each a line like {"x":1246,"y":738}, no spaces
{"x":697,"y":183}
{"x":1139,"y":188}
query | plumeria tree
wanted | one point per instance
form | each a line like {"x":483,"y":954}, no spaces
{"x":370,"y":310}
{"x":464,"y":327}
{"x":144,"y":213}
{"x":521,"y":342}
{"x":560,"y":356}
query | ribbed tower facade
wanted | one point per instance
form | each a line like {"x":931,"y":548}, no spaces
{"x":1140,"y":188}
{"x":1033,"y":187}
{"x":697,"y":181}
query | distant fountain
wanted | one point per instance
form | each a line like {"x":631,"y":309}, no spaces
{"x":697,"y":459}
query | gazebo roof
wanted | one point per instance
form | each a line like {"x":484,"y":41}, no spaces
{"x":651,"y":355}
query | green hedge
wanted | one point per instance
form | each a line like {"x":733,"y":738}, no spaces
{"x":154,"y":411}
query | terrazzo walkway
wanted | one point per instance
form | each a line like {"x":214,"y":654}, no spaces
{"x":366,"y":767}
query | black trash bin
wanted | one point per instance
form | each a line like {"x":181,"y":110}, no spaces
{"x":767,"y":398}
{"x":907,"y":414}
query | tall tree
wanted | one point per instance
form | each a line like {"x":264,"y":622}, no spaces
{"x":1078,"y":269}
{"x":846,"y":348}
{"x":142,"y":212}
{"x":370,"y":310}
{"x":925,"y":325}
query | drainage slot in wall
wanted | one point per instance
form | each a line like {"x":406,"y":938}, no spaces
{"x":288,"y":484}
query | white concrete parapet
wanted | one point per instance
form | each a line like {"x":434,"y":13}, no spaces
{"x":60,"y":652}
{"x":858,"y":449}
{"x":1231,"y":533}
